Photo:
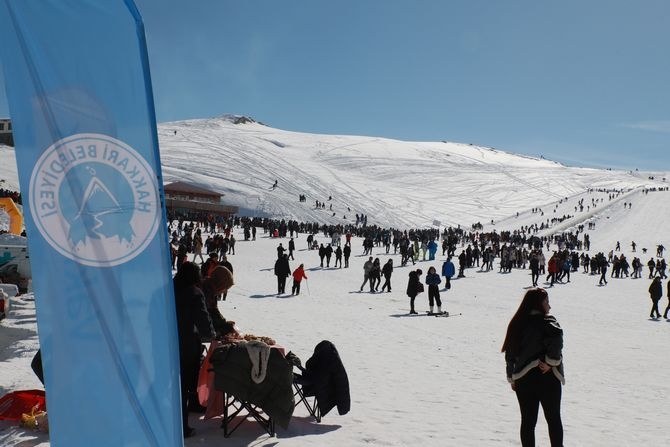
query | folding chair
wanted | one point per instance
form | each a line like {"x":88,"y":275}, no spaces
{"x":300,"y":398}
{"x":298,"y":393}
{"x":238,"y":406}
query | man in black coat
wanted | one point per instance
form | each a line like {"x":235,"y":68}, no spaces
{"x":291,"y":249}
{"x":347,"y":252}
{"x":282,"y":271}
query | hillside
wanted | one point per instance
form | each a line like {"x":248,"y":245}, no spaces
{"x":395,"y":183}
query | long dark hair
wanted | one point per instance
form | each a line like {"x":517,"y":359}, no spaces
{"x":532,"y":301}
{"x":187,"y":275}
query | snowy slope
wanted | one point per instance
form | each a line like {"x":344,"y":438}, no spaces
{"x":396,"y":183}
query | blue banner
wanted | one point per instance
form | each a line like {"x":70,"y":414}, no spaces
{"x":79,"y":91}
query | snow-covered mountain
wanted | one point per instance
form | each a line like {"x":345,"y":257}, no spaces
{"x":395,"y":183}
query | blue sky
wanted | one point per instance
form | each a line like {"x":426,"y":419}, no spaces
{"x":581,"y":82}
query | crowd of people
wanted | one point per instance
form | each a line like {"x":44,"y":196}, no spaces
{"x":533,"y":342}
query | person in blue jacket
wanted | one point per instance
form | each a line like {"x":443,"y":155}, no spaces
{"x":433,"y":282}
{"x":432,"y":249}
{"x":448,"y":270}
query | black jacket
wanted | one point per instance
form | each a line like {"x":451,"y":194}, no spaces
{"x":325,"y":378}
{"x":541,"y":340}
{"x":282,"y":267}
{"x":414,"y":286}
{"x":656,"y":289}
{"x":193,"y":322}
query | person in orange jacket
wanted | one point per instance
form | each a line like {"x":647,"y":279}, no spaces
{"x":298,"y":275}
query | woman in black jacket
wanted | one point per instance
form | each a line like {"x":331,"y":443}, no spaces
{"x":533,"y":354}
{"x":193,"y":326}
{"x":414,"y":287}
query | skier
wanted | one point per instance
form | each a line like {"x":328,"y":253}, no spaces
{"x":298,"y":276}
{"x":414,"y":287}
{"x":433,"y":281}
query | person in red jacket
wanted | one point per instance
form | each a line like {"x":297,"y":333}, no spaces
{"x":552,"y":268}
{"x":298,"y":275}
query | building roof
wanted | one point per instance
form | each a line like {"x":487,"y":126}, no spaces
{"x":171,"y":204}
{"x":191,"y":189}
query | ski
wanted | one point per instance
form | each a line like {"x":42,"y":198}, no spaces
{"x":443,"y":314}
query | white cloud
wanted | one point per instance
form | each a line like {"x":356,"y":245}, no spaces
{"x":653,"y":126}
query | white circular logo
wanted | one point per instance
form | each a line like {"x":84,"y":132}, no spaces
{"x":95,"y":200}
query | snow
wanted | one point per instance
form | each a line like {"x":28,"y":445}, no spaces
{"x":416,"y":380}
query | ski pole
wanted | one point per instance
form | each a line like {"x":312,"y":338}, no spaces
{"x":307,"y":284}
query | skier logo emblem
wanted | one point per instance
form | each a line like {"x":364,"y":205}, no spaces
{"x":95,"y":200}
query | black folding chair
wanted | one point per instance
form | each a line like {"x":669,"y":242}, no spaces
{"x":298,"y":394}
{"x":234,"y":407}
{"x":300,"y":398}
